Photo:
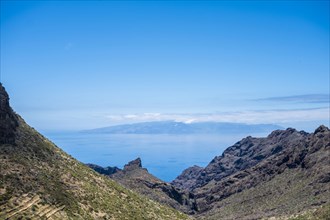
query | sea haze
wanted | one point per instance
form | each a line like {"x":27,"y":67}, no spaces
{"x":164,"y":155}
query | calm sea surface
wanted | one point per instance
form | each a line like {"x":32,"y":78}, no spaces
{"x":165,"y":156}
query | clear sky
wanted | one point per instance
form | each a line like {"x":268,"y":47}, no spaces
{"x":87,"y":64}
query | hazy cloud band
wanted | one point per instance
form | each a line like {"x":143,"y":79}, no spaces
{"x":251,"y":117}
{"x":307,"y":98}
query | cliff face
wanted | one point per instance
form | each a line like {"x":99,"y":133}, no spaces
{"x":285,"y":173}
{"x":40,"y":181}
{"x":187,"y":180}
{"x":8,"y":119}
{"x":243,"y":155}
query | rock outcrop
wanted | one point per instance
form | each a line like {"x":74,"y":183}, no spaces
{"x":103,"y":170}
{"x":133,"y":165}
{"x":9,"y":120}
{"x":137,"y":178}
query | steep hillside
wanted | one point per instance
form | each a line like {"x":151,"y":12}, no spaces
{"x":40,"y":181}
{"x":137,"y":178}
{"x":286,"y":173}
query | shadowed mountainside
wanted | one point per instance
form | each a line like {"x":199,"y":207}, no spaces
{"x":286,"y":173}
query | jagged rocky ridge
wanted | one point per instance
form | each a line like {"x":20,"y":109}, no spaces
{"x":285,"y":173}
{"x":103,"y":170}
{"x":137,"y":178}
{"x":243,"y":155}
{"x":40,"y":181}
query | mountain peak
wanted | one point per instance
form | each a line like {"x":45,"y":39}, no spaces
{"x":321,"y":129}
{"x":134,"y":164}
{"x":282,"y":133}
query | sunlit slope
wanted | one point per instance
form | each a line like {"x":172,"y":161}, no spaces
{"x":40,"y":181}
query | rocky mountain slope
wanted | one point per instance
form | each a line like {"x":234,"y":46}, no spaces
{"x":137,"y":178}
{"x":40,"y":181}
{"x":286,"y":173}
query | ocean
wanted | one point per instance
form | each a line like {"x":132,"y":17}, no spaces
{"x":165,"y":156}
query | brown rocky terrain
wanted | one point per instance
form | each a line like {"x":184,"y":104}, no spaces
{"x":137,"y":178}
{"x":286,"y":173}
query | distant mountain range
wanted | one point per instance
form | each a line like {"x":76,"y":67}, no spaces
{"x":172,"y":127}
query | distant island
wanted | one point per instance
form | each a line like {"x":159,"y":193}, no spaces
{"x":173,"y":127}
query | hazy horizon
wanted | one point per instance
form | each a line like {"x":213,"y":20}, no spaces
{"x":75,"y":65}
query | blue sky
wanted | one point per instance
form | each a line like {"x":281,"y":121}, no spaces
{"x":86,"y":64}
